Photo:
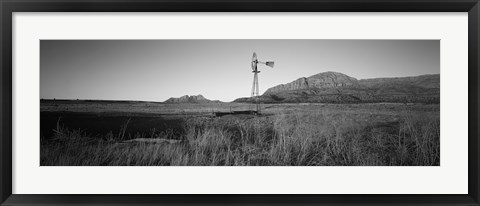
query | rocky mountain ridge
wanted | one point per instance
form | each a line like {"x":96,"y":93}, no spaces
{"x":321,"y":80}
{"x":335,"y":87}
{"x":189,"y":99}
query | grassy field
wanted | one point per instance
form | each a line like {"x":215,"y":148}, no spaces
{"x":284,"y":135}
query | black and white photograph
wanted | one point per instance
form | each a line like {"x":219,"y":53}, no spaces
{"x":240,"y":102}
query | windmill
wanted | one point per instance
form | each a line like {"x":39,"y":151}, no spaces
{"x":255,"y":71}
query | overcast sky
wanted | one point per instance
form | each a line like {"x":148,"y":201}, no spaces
{"x":155,"y":70}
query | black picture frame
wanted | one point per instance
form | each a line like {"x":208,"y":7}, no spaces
{"x":7,"y":7}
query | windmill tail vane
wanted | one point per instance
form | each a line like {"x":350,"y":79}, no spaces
{"x":270,"y":64}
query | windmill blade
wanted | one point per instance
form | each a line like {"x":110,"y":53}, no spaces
{"x":270,"y":64}
{"x":254,"y":61}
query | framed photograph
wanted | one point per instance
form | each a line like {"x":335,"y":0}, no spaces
{"x":239,"y":102}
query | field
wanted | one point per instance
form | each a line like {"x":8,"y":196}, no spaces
{"x":98,"y":133}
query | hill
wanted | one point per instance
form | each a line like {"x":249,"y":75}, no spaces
{"x":334,"y":87}
{"x":194,"y":99}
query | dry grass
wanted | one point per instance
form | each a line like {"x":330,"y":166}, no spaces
{"x":344,"y":137}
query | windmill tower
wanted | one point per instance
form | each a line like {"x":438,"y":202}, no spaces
{"x":255,"y":88}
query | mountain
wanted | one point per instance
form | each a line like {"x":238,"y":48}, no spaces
{"x":190,"y":99}
{"x":321,"y":80}
{"x":334,"y":87}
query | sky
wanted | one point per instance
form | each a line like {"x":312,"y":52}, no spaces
{"x":155,"y":70}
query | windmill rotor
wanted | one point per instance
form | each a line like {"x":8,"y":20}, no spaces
{"x":254,"y":62}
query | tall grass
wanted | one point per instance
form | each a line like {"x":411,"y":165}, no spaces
{"x":300,"y":138}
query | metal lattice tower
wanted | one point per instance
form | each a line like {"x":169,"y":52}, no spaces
{"x":255,"y":87}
